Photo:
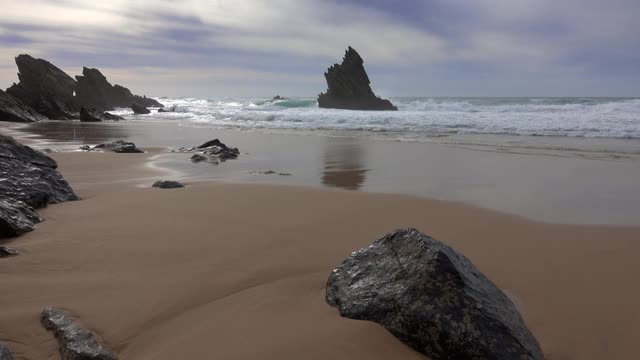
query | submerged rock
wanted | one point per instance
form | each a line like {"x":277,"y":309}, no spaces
{"x":12,"y":109}
{"x":88,"y":115}
{"x":349,"y":86}
{"x":432,"y":298}
{"x":16,"y":218}
{"x":5,"y":353}
{"x":167,"y":184}
{"x":4,"y":252}
{"x":29,"y":176}
{"x":45,"y":88}
{"x":93,"y":90}
{"x":74,"y":342}
{"x":139,"y":109}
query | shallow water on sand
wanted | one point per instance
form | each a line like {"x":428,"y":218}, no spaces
{"x":554,"y":179}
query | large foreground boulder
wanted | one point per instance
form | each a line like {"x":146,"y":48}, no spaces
{"x":45,"y":88}
{"x":349,"y":87}
{"x":12,"y":109}
{"x":30,"y":176}
{"x":94,"y":91}
{"x":16,"y":218}
{"x":432,"y":298}
{"x":74,"y":342}
{"x":5,"y":353}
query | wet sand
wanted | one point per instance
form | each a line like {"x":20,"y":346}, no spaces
{"x":237,"y":271}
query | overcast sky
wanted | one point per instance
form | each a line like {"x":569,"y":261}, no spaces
{"x":209,"y":48}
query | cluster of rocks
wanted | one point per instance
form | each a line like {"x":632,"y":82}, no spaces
{"x":432,"y":298}
{"x":213,"y":151}
{"x":46,"y":92}
{"x":119,"y":146}
{"x":28,"y":180}
{"x":349,"y":86}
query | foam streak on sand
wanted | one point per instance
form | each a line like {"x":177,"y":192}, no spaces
{"x":217,"y":271}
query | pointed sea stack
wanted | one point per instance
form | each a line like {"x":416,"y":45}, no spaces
{"x":349,"y":87}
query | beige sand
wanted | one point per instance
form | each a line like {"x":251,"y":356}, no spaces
{"x":236,"y":271}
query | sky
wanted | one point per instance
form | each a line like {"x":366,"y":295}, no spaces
{"x":214,"y":48}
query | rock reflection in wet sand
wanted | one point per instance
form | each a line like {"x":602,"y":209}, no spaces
{"x":344,"y":163}
{"x":76,"y":132}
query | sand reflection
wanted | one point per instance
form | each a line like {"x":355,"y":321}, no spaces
{"x":78,"y":132}
{"x":344,"y":163}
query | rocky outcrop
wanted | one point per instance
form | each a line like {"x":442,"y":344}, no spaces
{"x":139,"y":109}
{"x":119,"y":146}
{"x":5,"y":252}
{"x":167,"y":184}
{"x":5,"y":353}
{"x":94,"y":91}
{"x":109,"y":116}
{"x":74,"y":342}
{"x":349,"y":87}
{"x":220,"y":150}
{"x":16,"y":218}
{"x":29,"y":176}
{"x":45,"y":88}
{"x":88,"y":115}
{"x":12,"y":109}
{"x":432,"y":298}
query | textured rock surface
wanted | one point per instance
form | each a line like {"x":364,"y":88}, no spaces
{"x":7,"y":251}
{"x":167,"y":184}
{"x":94,"y":91}
{"x":74,"y":342}
{"x":5,"y":353}
{"x":218,"y":149}
{"x":431,"y":298}
{"x":16,"y":218}
{"x":88,"y":115}
{"x":45,"y":88}
{"x":120,"y":146}
{"x":139,"y":109}
{"x":30,"y":176}
{"x":12,"y":109}
{"x":108,"y":116}
{"x":349,"y":87}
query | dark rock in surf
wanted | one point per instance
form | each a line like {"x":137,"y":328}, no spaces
{"x":45,"y":88}
{"x":167,"y":184}
{"x":12,"y":109}
{"x":432,"y":298}
{"x":93,"y":90}
{"x":5,"y":353}
{"x":29,"y":176}
{"x":108,"y":116}
{"x":74,"y":342}
{"x":16,"y":218}
{"x":349,"y":87}
{"x":139,"y":109}
{"x":6,"y":252}
{"x":88,"y":115}
{"x":171,"y":108}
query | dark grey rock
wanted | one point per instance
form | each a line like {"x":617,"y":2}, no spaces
{"x":218,"y":149}
{"x":74,"y":342}
{"x":93,"y":90}
{"x":29,"y":176}
{"x":16,"y":218}
{"x":167,"y":184}
{"x":214,"y":142}
{"x":4,"y":252}
{"x":171,"y":108}
{"x":5,"y":353}
{"x":87,"y":115}
{"x":432,"y":298}
{"x":198,"y":158}
{"x":85,"y":148}
{"x":139,"y":109}
{"x":45,"y":88}
{"x":349,"y":87}
{"x":119,"y":146}
{"x":109,"y":116}
{"x":12,"y":109}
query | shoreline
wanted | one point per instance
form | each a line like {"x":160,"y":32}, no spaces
{"x":215,"y":270}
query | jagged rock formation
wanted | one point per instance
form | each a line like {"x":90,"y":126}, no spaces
{"x":139,"y":109}
{"x":94,"y":91}
{"x":349,"y":87}
{"x":167,"y":184}
{"x":74,"y":342}
{"x":29,"y":176}
{"x":45,"y":88}
{"x":5,"y":353}
{"x":218,"y":149}
{"x":432,"y":298}
{"x":88,"y":116}
{"x":16,"y":218}
{"x":12,"y":109}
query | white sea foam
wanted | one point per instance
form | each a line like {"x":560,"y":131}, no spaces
{"x":572,"y":117}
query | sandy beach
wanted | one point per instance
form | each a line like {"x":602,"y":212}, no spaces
{"x":237,"y":271}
